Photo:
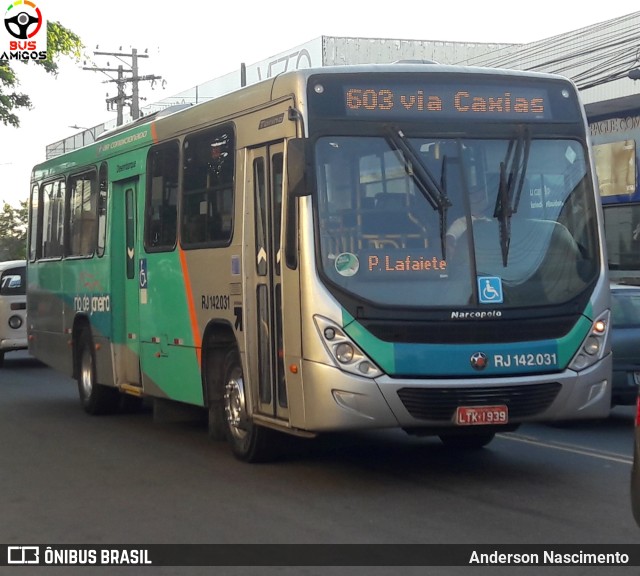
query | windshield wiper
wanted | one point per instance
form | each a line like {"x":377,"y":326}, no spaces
{"x":512,"y":175}
{"x":434,"y":192}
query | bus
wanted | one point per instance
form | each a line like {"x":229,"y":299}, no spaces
{"x":13,"y":307}
{"x":614,"y":138}
{"x":304,"y":255}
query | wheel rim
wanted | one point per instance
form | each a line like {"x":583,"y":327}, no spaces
{"x":234,"y":405}
{"x":86,"y":373}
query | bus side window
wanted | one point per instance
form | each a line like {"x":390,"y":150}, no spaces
{"x":53,"y":204}
{"x":207,"y":189}
{"x":83,"y":214}
{"x":161,"y":209}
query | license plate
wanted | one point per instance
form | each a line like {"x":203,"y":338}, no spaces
{"x":481,"y":415}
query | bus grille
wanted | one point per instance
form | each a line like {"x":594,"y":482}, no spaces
{"x":471,"y":332}
{"x":441,"y":403}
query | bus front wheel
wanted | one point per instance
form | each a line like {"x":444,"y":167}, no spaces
{"x":249,"y":442}
{"x":95,"y":398}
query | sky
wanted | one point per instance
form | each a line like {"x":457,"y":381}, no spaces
{"x":193,"y":42}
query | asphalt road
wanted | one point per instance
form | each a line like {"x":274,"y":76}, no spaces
{"x":69,"y":478}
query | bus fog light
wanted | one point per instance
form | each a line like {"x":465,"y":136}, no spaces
{"x":580,"y":362}
{"x":15,"y":322}
{"x":344,"y":352}
{"x":365,"y":367}
{"x":329,"y":333}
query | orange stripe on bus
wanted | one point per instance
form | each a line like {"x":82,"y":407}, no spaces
{"x":154,"y":134}
{"x":192,"y":309}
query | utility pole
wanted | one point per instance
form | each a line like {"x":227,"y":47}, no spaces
{"x":124,"y":77}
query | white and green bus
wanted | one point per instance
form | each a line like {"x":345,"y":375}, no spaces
{"x":409,"y":246}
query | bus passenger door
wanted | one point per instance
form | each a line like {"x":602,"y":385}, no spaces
{"x":265,"y":332}
{"x":128,"y":273}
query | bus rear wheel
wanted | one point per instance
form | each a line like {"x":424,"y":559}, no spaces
{"x":472,"y":441}
{"x":95,"y":398}
{"x":249,"y":442}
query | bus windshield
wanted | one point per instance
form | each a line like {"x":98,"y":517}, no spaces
{"x":456,"y":222}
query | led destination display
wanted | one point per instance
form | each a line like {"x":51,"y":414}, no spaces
{"x":443,"y":97}
{"x":449,"y":101}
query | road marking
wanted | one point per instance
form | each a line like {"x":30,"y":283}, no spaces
{"x":609,"y":456}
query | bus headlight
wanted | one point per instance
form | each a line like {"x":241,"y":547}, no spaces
{"x":15,"y":322}
{"x":592,"y":349}
{"x":592,"y":346}
{"x":345,"y":353}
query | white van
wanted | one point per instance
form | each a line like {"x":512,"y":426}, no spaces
{"x":13,"y":307}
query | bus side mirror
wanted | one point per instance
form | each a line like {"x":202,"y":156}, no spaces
{"x":298,"y":185}
{"x":297,"y":172}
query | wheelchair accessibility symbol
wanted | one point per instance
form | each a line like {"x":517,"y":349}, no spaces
{"x":490,"y":290}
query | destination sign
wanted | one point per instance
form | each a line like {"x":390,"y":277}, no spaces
{"x":406,"y":263}
{"x":448,"y":101}
{"x":447,"y":97}
{"x":386,"y":263}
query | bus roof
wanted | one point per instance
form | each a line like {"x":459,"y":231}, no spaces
{"x":11,"y":264}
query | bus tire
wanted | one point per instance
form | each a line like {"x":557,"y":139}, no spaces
{"x":249,"y":442}
{"x":95,"y":398}
{"x":1,"y":359}
{"x":473,"y":441}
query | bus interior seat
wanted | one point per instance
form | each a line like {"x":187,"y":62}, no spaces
{"x":195,"y":229}
{"x":392,"y":224}
{"x":85,"y":230}
{"x":367,"y":203}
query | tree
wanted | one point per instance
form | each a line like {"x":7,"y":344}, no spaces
{"x":13,"y":231}
{"x":60,"y":42}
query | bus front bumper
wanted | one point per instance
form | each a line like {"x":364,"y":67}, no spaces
{"x":9,"y":344}
{"x":334,"y":400}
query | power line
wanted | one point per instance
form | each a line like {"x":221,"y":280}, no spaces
{"x":124,"y":76}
